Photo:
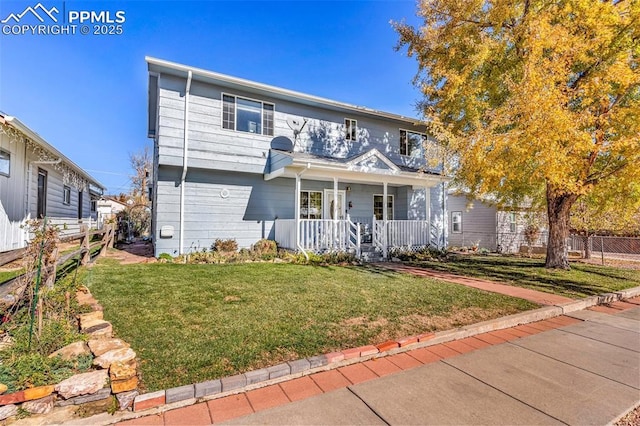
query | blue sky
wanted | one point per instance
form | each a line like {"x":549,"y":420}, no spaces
{"x":87,"y":94}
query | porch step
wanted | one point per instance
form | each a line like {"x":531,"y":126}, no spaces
{"x":370,"y":256}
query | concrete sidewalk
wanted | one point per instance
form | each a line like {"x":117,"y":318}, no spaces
{"x":581,"y":368}
{"x":583,"y":373}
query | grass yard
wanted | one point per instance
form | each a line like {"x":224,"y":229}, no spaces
{"x":190,"y":323}
{"x":581,"y":281}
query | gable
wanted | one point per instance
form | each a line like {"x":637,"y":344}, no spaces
{"x":373,"y":161}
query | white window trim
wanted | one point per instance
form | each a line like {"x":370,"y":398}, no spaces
{"x":393,"y":204}
{"x":354,"y":123}
{"x":8,"y":154}
{"x":513,"y":222}
{"x":235,"y":114}
{"x":326,"y":208}
{"x":66,"y":191}
{"x":409,"y":154}
{"x":453,"y":214}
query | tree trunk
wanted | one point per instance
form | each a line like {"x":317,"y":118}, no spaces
{"x":558,"y":208}
{"x":587,"y":246}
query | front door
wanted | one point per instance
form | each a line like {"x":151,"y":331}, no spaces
{"x":328,"y":204}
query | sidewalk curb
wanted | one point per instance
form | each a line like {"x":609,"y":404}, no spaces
{"x":324,"y":362}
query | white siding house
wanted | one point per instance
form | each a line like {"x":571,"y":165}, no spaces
{"x":36,"y":180}
{"x":239,"y":159}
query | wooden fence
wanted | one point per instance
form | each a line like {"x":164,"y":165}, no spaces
{"x":16,"y":285}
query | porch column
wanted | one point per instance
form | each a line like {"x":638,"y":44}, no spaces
{"x":385,"y":217}
{"x":296,"y":232}
{"x":427,"y":197}
{"x":334,"y":212}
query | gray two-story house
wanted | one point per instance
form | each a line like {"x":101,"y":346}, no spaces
{"x":237,"y":159}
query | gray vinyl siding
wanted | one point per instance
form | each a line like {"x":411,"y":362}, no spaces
{"x":248,"y":213}
{"x":478,"y":223}
{"x":509,"y":241}
{"x":212,"y":147}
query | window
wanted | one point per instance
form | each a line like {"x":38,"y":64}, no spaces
{"x":512,"y":222}
{"x":456,"y":222}
{"x":66,"y":195}
{"x":5,"y":163}
{"x":42,"y":194}
{"x":247,"y":115}
{"x":94,"y":205}
{"x":351,"y":129}
{"x":80,"y":205}
{"x":411,"y":143}
{"x":378,"y":207}
{"x":310,"y":205}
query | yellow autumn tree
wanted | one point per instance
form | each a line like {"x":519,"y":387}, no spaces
{"x":536,"y":99}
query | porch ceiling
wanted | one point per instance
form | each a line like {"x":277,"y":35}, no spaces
{"x":310,"y":167}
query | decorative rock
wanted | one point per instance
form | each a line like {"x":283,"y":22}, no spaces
{"x":91,"y":323}
{"x":87,"y":318}
{"x":82,"y":384}
{"x":71,"y":351}
{"x":121,"y":355}
{"x":37,"y":393}
{"x":100,"y":346}
{"x":100,"y":330}
{"x":8,"y":411}
{"x":101,"y":394}
{"x":3,"y":388}
{"x":125,"y":399}
{"x":85,"y":298}
{"x":39,"y":406}
{"x":122,"y":370}
{"x":118,"y":386}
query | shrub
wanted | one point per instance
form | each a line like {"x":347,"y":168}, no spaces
{"x":166,"y":257}
{"x":227,"y":246}
{"x":265,"y":249}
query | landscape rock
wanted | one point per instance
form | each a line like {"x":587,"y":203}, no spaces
{"x":85,"y":298}
{"x":123,"y":355}
{"x":125,"y":399}
{"x":3,"y":388}
{"x":6,"y":342}
{"x":38,"y":392}
{"x":118,"y":386}
{"x":122,"y":370}
{"x":39,"y":406}
{"x":99,"y":329}
{"x":83,"y":399}
{"x":88,"y":317}
{"x":72,"y":351}
{"x":100,"y":346}
{"x":82,"y":384}
{"x":8,"y":411}
{"x":12,"y":398}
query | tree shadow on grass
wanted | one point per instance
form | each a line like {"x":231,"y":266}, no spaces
{"x":580,"y":281}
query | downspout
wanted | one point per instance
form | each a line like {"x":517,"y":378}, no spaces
{"x":184,"y":158}
{"x":297,"y":212}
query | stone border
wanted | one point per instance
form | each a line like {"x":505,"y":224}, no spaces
{"x":182,"y":396}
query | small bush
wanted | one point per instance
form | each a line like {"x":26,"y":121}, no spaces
{"x":166,"y":257}
{"x":226,"y":246}
{"x":265,"y":249}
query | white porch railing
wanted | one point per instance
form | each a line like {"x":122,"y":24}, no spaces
{"x":318,"y":235}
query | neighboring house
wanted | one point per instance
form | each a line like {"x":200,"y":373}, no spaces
{"x":481,"y":224}
{"x":243,"y":160}
{"x":36,"y":180}
{"x":108,"y":208}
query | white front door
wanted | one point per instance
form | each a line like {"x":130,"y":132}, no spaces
{"x":328,"y":204}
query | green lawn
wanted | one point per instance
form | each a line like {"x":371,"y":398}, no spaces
{"x":190,"y":323}
{"x":581,"y":281}
{"x":7,"y":275}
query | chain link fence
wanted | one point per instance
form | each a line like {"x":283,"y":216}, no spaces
{"x":606,"y":247}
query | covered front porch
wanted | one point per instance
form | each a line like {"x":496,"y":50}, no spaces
{"x":340,"y":204}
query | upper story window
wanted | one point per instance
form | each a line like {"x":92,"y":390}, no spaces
{"x":411,"y":142}
{"x":456,"y":222}
{"x":247,"y":115}
{"x":66,"y":195}
{"x":5,"y":162}
{"x":351,"y":129}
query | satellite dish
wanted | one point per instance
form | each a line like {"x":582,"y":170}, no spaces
{"x":296,"y":125}
{"x":282,"y":143}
